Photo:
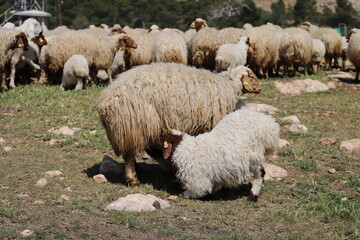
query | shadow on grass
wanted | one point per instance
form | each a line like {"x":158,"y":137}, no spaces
{"x":349,"y":80}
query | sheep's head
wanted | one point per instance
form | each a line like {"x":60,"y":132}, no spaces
{"x":353,"y":31}
{"x":40,"y":40}
{"x":117,"y":30}
{"x":305,"y":25}
{"x":154,"y":28}
{"x":21,"y":42}
{"x":170,"y":141}
{"x":198,"y":24}
{"x":250,"y":83}
{"x":126,"y":42}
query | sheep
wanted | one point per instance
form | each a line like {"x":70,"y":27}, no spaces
{"x":12,"y":45}
{"x":295,"y":48}
{"x":27,"y":57}
{"x":75,"y":73}
{"x":144,"y":101}
{"x":232,"y":55}
{"x":353,"y":53}
{"x":198,"y":24}
{"x":99,"y":51}
{"x":233,"y":152}
{"x":31,"y":27}
{"x":263,"y":53}
{"x":311,"y":28}
{"x":170,"y":46}
{"x":332,"y":41}
{"x":317,"y":54}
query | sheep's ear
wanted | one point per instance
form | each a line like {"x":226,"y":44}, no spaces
{"x":251,"y":83}
{"x":167,"y":147}
{"x":122,"y":44}
{"x":248,"y":45}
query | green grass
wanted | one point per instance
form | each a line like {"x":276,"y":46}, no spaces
{"x":306,"y":205}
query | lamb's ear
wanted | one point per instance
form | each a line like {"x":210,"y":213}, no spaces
{"x":167,"y":147}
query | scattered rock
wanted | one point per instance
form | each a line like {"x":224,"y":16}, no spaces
{"x":24,"y":195}
{"x":283,"y":143}
{"x":7,"y":149}
{"x":53,"y":142}
{"x":100,"y":178}
{"x":331,"y":170}
{"x":297,"y":128}
{"x":2,"y":141}
{"x":331,"y":85}
{"x":273,"y":171}
{"x":27,"y":232}
{"x":297,"y":87}
{"x":51,"y":174}
{"x":39,"y":202}
{"x":327,"y":141}
{"x":172,"y":198}
{"x":292,"y":119}
{"x":65,"y":197}
{"x":352,"y":145}
{"x":341,"y":75}
{"x":68,"y":189}
{"x":344,"y":199}
{"x":62,"y":178}
{"x":42,"y":182}
{"x":93,"y":132}
{"x":260,"y":107}
{"x":65,"y":130}
{"x":138,"y":203}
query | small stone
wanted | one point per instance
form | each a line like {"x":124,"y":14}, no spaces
{"x":93,"y":132}
{"x":327,"y":141}
{"x":273,"y":171}
{"x":7,"y":149}
{"x":65,"y":130}
{"x":68,"y":189}
{"x":292,"y":119}
{"x":39,"y":202}
{"x":184,"y":218}
{"x":53,"y":142}
{"x":62,"y":178}
{"x":42,"y":182}
{"x":331,"y":85}
{"x":100,"y":178}
{"x":298,"y":128}
{"x":331,"y":170}
{"x":344,"y":199}
{"x":2,"y":141}
{"x":343,"y":182}
{"x":65,"y":197}
{"x":51,"y":174}
{"x":27,"y":232}
{"x":157,"y":204}
{"x":259,"y":107}
{"x":172,"y":198}
{"x":24,"y":195}
{"x":138,"y":203}
{"x":283,"y":143}
{"x":352,"y":145}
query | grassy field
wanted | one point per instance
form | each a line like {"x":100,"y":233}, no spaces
{"x":309,"y":204}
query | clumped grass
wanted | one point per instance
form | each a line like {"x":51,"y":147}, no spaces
{"x":309,"y":204}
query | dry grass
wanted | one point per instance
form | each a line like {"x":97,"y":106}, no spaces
{"x":306,"y":205}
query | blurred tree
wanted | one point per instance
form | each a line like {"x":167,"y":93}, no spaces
{"x":305,"y":10}
{"x":279,"y":13}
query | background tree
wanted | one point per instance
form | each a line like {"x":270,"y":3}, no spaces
{"x":305,"y":10}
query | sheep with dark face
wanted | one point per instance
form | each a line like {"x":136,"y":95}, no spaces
{"x":230,"y":154}
{"x":145,"y":101}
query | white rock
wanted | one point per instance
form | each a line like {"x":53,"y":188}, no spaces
{"x":51,"y":174}
{"x":65,"y":197}
{"x":344,"y":199}
{"x":283,"y":143}
{"x":53,"y":142}
{"x":2,"y":141}
{"x":260,"y":107}
{"x":292,"y":119}
{"x":42,"y":182}
{"x":39,"y":202}
{"x":273,"y":171}
{"x":352,"y":145}
{"x":297,"y":87}
{"x":100,"y":178}
{"x":298,"y":128}
{"x":27,"y":232}
{"x":138,"y":203}
{"x":93,"y":132}
{"x":65,"y":130}
{"x":327,"y":141}
{"x":331,"y":170}
{"x":7,"y":149}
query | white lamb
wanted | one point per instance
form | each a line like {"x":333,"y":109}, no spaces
{"x":227,"y":156}
{"x":75,"y":73}
{"x":232,"y":55}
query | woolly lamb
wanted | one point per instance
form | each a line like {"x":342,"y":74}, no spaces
{"x":232,"y":55}
{"x":170,"y":46}
{"x":233,"y":152}
{"x":76,"y":72}
{"x":332,"y":41}
{"x":31,"y":27}
{"x":295,"y":48}
{"x":353,"y":53}
{"x":317,"y":54}
{"x":143,"y":102}
{"x":12,"y":45}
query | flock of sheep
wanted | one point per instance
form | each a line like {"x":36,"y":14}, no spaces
{"x":165,"y":79}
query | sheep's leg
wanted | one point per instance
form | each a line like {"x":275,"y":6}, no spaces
{"x":343,"y":64}
{"x":315,"y":68}
{"x":305,"y":69}
{"x":258,"y":175}
{"x":130,"y":171}
{"x":30,"y":62}
{"x":12,"y":75}
{"x":109,"y":73}
{"x":357,"y":75}
{"x":80,"y":84}
{"x":2,"y":80}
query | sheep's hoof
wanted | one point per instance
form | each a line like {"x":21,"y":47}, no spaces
{"x":133,"y":182}
{"x":252,"y":197}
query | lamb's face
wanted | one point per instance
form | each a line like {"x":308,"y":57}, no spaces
{"x":117,"y":31}
{"x":39,"y":40}
{"x":126,"y":42}
{"x":198,"y":24}
{"x":21,"y":42}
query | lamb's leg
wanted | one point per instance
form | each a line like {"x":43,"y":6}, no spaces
{"x":258,"y":175}
{"x":357,"y":75}
{"x":130,"y":171}
{"x":12,"y":75}
{"x":30,"y":62}
{"x":80,"y":84}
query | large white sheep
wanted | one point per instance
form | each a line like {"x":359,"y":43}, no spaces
{"x":170,"y":46}
{"x":12,"y":45}
{"x":317,"y":54}
{"x":75,"y":73}
{"x":353,"y":52}
{"x":232,"y":55}
{"x":145,"y":101}
{"x":233,"y":152}
{"x":295,"y":48}
{"x":31,"y":27}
